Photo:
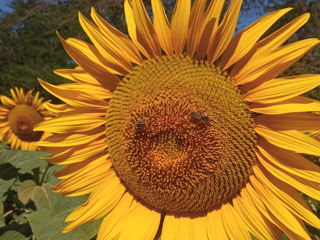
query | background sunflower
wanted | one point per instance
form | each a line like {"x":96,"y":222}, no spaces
{"x":19,"y":115}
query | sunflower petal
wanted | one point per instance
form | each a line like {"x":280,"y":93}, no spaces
{"x":288,"y":195}
{"x":209,"y":26}
{"x":272,"y":41}
{"x":141,"y":223}
{"x":179,"y":25}
{"x":281,"y":89}
{"x":146,"y":34}
{"x":106,"y":48}
{"x":185,"y":228}
{"x":308,"y":187}
{"x":74,"y":123}
{"x":291,"y":140}
{"x":243,"y":42}
{"x":100,"y":73}
{"x":234,"y":225}
{"x":293,"y":105}
{"x":290,"y":121}
{"x":216,"y":229}
{"x":279,"y":210}
{"x":99,"y":203}
{"x":272,"y":63}
{"x":123,"y":43}
{"x":195,"y":23}
{"x":132,"y":28}
{"x":255,"y":222}
{"x":74,"y":98}
{"x":65,"y":139}
{"x":225,"y":31}
{"x":112,"y":224}
{"x":263,"y":207}
{"x":84,"y":181}
{"x":75,"y":168}
{"x":77,"y":153}
{"x":161,"y":26}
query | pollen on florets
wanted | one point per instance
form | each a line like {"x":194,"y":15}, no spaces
{"x":180,"y":135}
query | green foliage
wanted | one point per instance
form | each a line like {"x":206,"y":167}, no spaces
{"x":29,"y":47}
{"x":28,"y":206}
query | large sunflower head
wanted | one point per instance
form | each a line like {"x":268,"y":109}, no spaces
{"x":182,"y":131}
{"x":18,"y":116}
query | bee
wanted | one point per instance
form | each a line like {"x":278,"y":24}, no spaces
{"x":140,"y":126}
{"x":200,"y":118}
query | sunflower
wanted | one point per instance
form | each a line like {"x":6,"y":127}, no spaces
{"x":18,"y":115}
{"x":182,"y":131}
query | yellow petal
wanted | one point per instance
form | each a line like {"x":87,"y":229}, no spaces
{"x":243,"y":42}
{"x":112,"y":224}
{"x":7,"y":101}
{"x":272,"y":63}
{"x":108,"y":50}
{"x":251,"y":193}
{"x":65,"y":139}
{"x":74,"y":98}
{"x":278,"y":209}
{"x":296,"y":104}
{"x":77,"y":153}
{"x":72,"y":123}
{"x":106,"y":79}
{"x":123,"y":43}
{"x":132,"y":28}
{"x":288,"y":195}
{"x":255,"y":222}
{"x":184,"y":228}
{"x":308,"y":187}
{"x":290,"y":161}
{"x":225,"y":31}
{"x":216,"y":229}
{"x":209,"y":26}
{"x":290,"y":139}
{"x":290,"y":121}
{"x":161,"y":26}
{"x":140,"y":223}
{"x":76,"y":168}
{"x":95,"y":91}
{"x":144,"y":29}
{"x":234,"y":225}
{"x":281,"y":89}
{"x":99,"y":203}
{"x":179,"y":25}
{"x":91,"y":52}
{"x":85,"y":180}
{"x":14,"y":96}
{"x":195,"y":24}
{"x":272,"y":41}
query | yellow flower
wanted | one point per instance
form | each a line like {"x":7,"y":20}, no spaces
{"x":18,"y":117}
{"x":182,"y":131}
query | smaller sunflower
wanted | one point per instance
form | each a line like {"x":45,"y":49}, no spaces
{"x":18,"y":115}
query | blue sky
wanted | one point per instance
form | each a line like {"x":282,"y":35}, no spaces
{"x":3,"y":5}
{"x":243,"y":20}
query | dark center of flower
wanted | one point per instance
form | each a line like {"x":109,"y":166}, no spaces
{"x":180,"y":136}
{"x":22,"y":118}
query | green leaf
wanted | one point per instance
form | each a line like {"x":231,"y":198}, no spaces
{"x":5,"y":185}
{"x":13,"y":235}
{"x":28,"y":190}
{"x":25,"y":161}
{"x":47,"y":222}
{"x":2,"y":221}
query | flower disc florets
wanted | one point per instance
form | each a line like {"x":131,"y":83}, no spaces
{"x":180,"y":135}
